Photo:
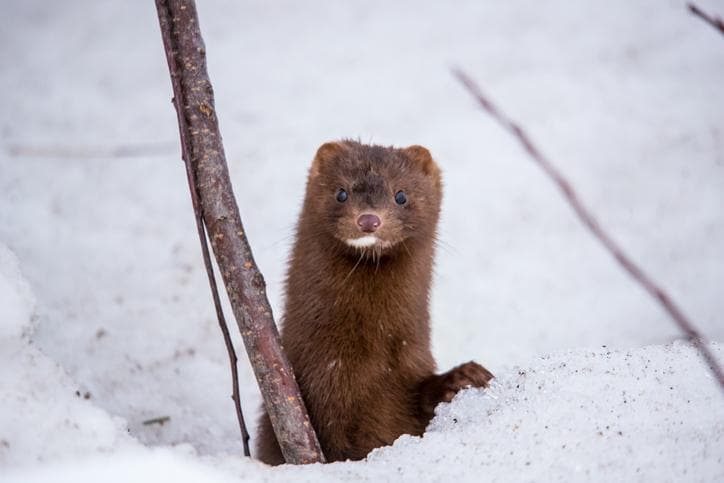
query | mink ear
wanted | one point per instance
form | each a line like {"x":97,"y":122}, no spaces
{"x":422,"y":157}
{"x":326,"y":154}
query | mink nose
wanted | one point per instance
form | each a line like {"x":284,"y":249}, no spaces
{"x":368,"y":223}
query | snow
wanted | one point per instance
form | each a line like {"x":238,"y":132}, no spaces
{"x":105,"y":316}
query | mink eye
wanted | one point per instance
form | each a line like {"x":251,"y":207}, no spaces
{"x":400,"y":198}
{"x":342,"y":196}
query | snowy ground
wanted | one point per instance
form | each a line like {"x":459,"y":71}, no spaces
{"x":105,"y":316}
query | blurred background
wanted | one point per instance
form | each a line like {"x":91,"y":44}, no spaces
{"x":625,"y":97}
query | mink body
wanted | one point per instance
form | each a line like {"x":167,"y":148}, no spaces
{"x":356,"y":325}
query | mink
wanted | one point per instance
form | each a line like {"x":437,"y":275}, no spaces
{"x":356,"y":325}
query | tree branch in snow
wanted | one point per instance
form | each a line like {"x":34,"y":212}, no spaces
{"x":216,"y":209}
{"x":715,"y":22}
{"x":90,"y":152}
{"x":161,"y":420}
{"x":233,"y":361}
{"x":594,"y":227}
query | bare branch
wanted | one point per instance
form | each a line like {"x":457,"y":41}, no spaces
{"x":208,"y":175}
{"x":201,"y":230}
{"x":90,"y":152}
{"x":715,"y":22}
{"x":161,"y":420}
{"x":233,"y":361}
{"x":593,"y":226}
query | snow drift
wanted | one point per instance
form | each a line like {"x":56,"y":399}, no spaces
{"x":105,"y":318}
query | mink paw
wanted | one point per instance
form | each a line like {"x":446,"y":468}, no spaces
{"x":470,"y":374}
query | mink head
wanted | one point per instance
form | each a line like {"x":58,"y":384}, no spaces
{"x":365,"y":197}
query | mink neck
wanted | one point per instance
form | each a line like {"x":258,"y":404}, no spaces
{"x":357,"y":290}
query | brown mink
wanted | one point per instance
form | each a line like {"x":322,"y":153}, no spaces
{"x":356,"y":326}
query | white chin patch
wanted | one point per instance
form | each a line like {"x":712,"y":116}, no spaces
{"x":363,"y":242}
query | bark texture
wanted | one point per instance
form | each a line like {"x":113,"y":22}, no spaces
{"x":202,"y":147}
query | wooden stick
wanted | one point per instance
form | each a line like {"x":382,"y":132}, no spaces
{"x":201,"y":230}
{"x":233,"y":361}
{"x":203,"y":149}
{"x":594,"y":227}
{"x":90,"y":152}
{"x":715,"y":22}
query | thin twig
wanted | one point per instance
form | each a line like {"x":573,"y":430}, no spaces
{"x":233,"y":360}
{"x":161,"y":420}
{"x":201,"y":230}
{"x":593,"y":226}
{"x":715,"y":22}
{"x":203,"y":151}
{"x":90,"y":152}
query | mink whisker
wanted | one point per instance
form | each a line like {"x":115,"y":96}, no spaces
{"x":404,"y":245}
{"x":449,"y":248}
{"x":355,"y":266}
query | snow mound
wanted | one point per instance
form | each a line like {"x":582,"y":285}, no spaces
{"x":652,"y":414}
{"x":159,"y":465}
{"x":43,"y":416}
{"x":16,"y":298}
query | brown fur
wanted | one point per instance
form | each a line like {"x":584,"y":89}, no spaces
{"x":356,"y":325}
